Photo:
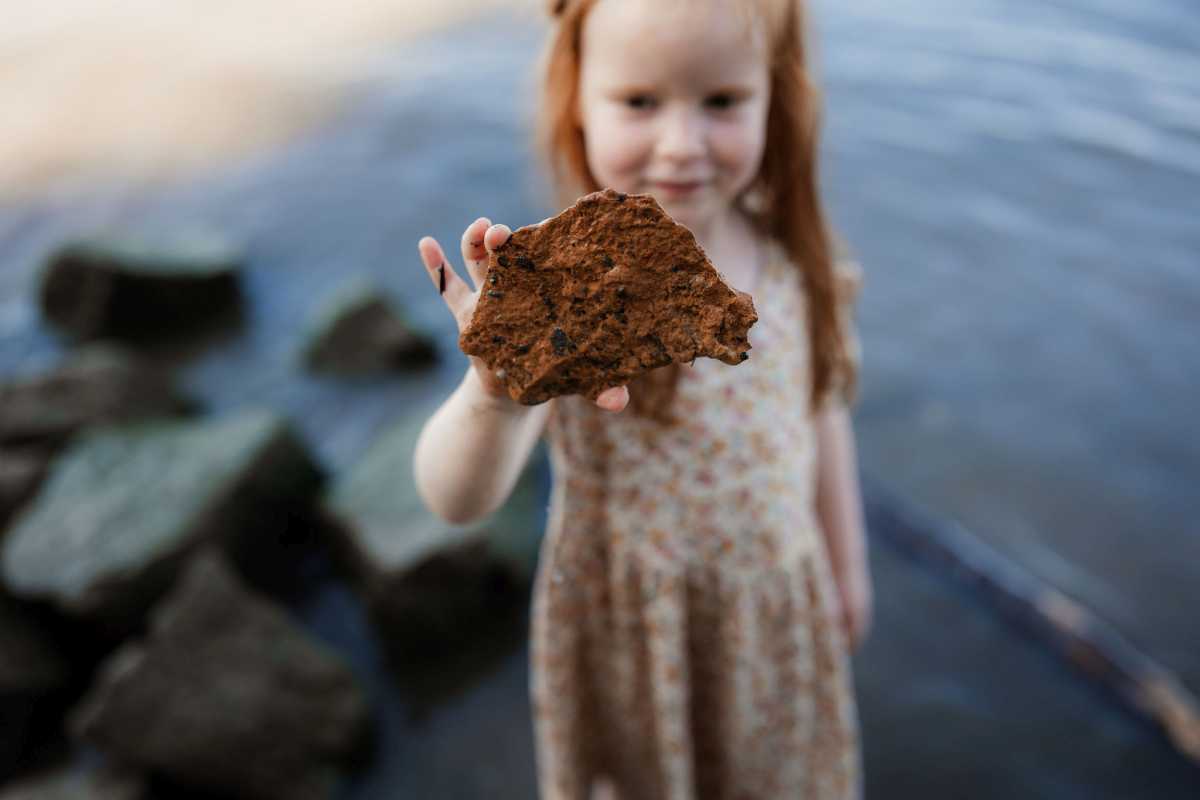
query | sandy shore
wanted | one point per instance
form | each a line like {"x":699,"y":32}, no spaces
{"x":151,"y":90}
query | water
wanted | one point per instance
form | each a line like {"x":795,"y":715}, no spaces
{"x":1022,"y":183}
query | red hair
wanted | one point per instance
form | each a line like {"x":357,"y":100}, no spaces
{"x":787,"y":204}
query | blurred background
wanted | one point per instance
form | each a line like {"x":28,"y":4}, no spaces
{"x":217,"y":345}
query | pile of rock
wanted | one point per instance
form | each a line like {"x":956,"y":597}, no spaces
{"x":139,"y":538}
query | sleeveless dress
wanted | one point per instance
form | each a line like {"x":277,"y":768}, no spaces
{"x":684,"y":639}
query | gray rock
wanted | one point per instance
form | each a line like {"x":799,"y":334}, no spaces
{"x":99,"y":384}
{"x":21,"y":473}
{"x":75,"y":783}
{"x":138,"y":288}
{"x":124,"y":506}
{"x":227,"y":694}
{"x":33,"y":680}
{"x":424,"y":580}
{"x":31,"y":663}
{"x":360,"y":332}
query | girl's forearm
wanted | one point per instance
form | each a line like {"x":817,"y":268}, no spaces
{"x":839,"y":499}
{"x":472,"y":450}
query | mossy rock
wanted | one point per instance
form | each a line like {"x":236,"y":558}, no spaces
{"x":124,"y":505}
{"x":424,"y":578}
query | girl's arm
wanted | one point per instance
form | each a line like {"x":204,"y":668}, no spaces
{"x":839,"y":511}
{"x":472,"y":450}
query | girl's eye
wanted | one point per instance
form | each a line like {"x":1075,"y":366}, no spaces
{"x":721,"y":101}
{"x":639,"y":101}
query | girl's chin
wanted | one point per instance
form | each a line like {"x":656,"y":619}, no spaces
{"x":689,"y":215}
{"x":693,"y":210}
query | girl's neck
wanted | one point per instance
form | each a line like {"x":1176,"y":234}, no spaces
{"x":735,"y":247}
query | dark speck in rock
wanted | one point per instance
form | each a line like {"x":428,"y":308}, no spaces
{"x":561,"y":342}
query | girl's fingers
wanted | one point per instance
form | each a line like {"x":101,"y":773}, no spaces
{"x":478,"y":241}
{"x":614,"y":399}
{"x":474,"y":254}
{"x":454,"y":290}
{"x":496,"y":236}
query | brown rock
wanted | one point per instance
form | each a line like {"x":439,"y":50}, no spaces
{"x":79,"y":782}
{"x":607,"y":290}
{"x":143,"y":289}
{"x":100,"y":383}
{"x":35,"y":686}
{"x":228,"y":695}
{"x":362,"y":332}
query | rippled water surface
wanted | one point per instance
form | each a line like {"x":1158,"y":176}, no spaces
{"x":1022,"y":183}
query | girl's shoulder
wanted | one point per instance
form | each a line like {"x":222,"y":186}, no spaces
{"x":847,"y":272}
{"x":848,"y":277}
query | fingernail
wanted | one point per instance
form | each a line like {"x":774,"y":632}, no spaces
{"x":442,"y":279}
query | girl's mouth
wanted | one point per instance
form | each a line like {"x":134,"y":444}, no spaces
{"x":676,"y":189}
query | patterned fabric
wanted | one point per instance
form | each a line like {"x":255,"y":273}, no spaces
{"x":684,"y":634}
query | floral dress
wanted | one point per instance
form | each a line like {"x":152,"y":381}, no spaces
{"x":684,"y":639}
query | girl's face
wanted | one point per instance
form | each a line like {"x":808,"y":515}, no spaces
{"x":673,"y":102}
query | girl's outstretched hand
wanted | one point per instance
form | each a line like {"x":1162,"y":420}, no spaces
{"x":480,"y":238}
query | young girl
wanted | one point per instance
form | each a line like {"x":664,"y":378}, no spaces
{"x":704,"y":568}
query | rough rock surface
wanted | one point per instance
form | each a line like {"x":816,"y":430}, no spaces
{"x":21,"y":473}
{"x":605,"y":291}
{"x":361,"y":332}
{"x":138,"y":288}
{"x":33,"y":681}
{"x":30,"y":663}
{"x":227,"y":694}
{"x":70,"y":783}
{"x":100,"y":383}
{"x":123,"y":506}
{"x":426,"y":581}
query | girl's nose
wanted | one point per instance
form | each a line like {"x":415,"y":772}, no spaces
{"x":681,"y":136}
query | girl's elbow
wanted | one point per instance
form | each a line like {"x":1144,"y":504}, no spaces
{"x":451,"y":513}
{"x":459,"y":516}
{"x":447,"y":497}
